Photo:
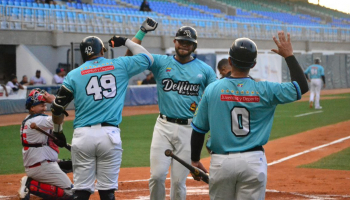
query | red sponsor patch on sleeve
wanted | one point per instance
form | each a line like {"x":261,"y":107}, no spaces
{"x":96,"y":70}
{"x":246,"y":99}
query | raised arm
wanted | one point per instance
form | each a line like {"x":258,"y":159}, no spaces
{"x":117,"y":41}
{"x":286,"y":51}
{"x":148,"y":25}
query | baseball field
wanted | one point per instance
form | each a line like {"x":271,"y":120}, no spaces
{"x":308,"y":152}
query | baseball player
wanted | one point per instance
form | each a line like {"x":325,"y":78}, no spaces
{"x":98,"y":87}
{"x":313,"y":74}
{"x":181,"y":80}
{"x":239,"y":113}
{"x":40,"y":154}
{"x":224,"y":68}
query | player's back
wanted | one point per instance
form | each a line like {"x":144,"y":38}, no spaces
{"x":99,"y":87}
{"x":315,"y":71}
{"x":240,"y":111}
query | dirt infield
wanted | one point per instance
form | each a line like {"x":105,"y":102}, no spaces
{"x":284,"y":155}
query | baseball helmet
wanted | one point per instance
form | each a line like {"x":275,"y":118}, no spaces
{"x":35,"y":97}
{"x":186,"y":33}
{"x":91,"y":46}
{"x":243,"y":53}
{"x":317,"y":60}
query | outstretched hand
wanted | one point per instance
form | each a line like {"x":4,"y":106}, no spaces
{"x":149,"y":25}
{"x":285,"y":48}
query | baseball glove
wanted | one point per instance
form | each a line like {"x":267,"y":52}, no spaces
{"x":65,"y":165}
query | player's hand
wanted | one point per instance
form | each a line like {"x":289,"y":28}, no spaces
{"x":61,"y":139}
{"x":285,"y":48}
{"x":200,"y":166}
{"x":117,"y":41}
{"x":149,"y":25}
{"x":49,"y":98}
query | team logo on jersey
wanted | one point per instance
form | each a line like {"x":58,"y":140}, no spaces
{"x":199,"y":75}
{"x":193,"y":107}
{"x":240,"y":85}
{"x":182,"y":87}
{"x":168,"y":69}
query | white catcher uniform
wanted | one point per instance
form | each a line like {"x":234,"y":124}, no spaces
{"x":315,"y":72}
{"x":41,"y":162}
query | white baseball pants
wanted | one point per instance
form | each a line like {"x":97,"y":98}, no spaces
{"x":238,"y":176}
{"x":168,"y":135}
{"x":96,"y":154}
{"x":315,"y":89}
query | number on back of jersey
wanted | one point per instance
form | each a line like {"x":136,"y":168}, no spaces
{"x":103,"y":87}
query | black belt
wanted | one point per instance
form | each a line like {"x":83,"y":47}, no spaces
{"x":258,"y":148}
{"x":105,"y":124}
{"x":173,"y":120}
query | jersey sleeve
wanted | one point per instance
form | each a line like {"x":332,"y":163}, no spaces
{"x":155,"y":67}
{"x":135,"y":64}
{"x":211,"y":76}
{"x":280,"y":93}
{"x":68,"y":81}
{"x":307,"y":71}
{"x":200,"y":121}
{"x":44,"y":122}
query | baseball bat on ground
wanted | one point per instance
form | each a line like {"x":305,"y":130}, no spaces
{"x":194,"y":170}
{"x":34,"y":126}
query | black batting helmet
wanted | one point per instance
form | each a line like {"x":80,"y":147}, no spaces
{"x":91,"y":46}
{"x":243,"y":53}
{"x":317,"y":60}
{"x":187,"y":33}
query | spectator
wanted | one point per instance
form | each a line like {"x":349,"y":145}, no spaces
{"x":149,"y":79}
{"x":224,"y":68}
{"x":13,"y":83}
{"x":6,"y":93}
{"x":24,"y":80}
{"x":37,"y":79}
{"x":145,"y":6}
{"x":59,"y":76}
{"x":50,"y":2}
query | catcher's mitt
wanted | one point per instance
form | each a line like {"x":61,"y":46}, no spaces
{"x":65,"y":165}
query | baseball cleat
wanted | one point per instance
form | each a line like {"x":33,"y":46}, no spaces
{"x":311,"y":104}
{"x":23,"y":191}
{"x":318,"y":108}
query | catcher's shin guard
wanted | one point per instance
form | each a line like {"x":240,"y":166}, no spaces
{"x":47,"y":191}
{"x":107,"y":194}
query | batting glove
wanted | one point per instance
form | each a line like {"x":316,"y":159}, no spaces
{"x":149,"y":25}
{"x":117,"y":41}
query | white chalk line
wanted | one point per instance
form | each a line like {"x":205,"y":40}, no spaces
{"x":309,"y":113}
{"x":205,"y":189}
{"x":307,"y":151}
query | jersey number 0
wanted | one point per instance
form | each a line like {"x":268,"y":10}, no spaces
{"x":103,"y":87}
{"x":240,"y":119}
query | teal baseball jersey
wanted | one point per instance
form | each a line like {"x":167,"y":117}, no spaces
{"x":99,"y":87}
{"x":180,"y":86}
{"x":239,"y":112}
{"x":315,"y":71}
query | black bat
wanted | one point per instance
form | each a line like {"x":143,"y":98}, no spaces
{"x":34,"y":126}
{"x":194,"y":170}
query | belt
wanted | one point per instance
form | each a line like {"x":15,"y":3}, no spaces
{"x":258,"y":148}
{"x":39,"y":163}
{"x":174,"y":120}
{"x":105,"y":124}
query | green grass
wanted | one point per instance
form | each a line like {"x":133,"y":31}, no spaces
{"x":136,"y":132}
{"x":337,"y":161}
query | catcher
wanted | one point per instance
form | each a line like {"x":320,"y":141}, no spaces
{"x":44,"y":178}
